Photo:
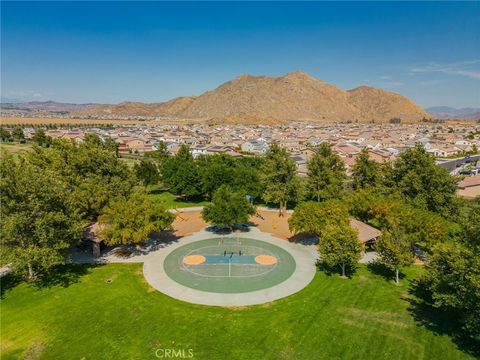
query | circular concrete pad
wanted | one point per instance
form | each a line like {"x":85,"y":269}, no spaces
{"x":304,"y":256}
{"x":230,"y":265}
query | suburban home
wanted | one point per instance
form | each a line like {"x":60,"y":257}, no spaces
{"x":469,"y":187}
{"x":255,"y":146}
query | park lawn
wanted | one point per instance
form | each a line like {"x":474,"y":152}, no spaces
{"x":365,"y":317}
{"x":170,"y":200}
{"x":13,"y":148}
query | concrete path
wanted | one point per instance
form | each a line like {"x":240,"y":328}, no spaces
{"x":305,"y":257}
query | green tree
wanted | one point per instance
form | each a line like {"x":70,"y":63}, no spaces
{"x":227,"y":208}
{"x":132,"y":220}
{"x":339,"y":246}
{"x":17,"y":133}
{"x":366,"y":172}
{"x":161,"y":154}
{"x":246,"y":176}
{"x":452,"y":277}
{"x":147,"y":172}
{"x":278,"y":177}
{"x":215,"y":171}
{"x":5,"y":134}
{"x":93,"y":173}
{"x":181,"y":174}
{"x":326,"y":173}
{"x":37,"y":224}
{"x":40,"y":138}
{"x":424,"y":183}
{"x":312,"y":217}
{"x":330,"y":221}
{"x":422,"y":228}
{"x":394,"y":251}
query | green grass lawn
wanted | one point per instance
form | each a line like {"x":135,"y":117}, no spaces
{"x":13,"y":148}
{"x":170,"y":200}
{"x":366,"y":317}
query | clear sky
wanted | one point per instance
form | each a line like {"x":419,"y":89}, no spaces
{"x":150,"y":51}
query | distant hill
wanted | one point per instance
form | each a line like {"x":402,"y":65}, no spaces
{"x":294,"y":96}
{"x":446,"y":112}
{"x":41,"y":107}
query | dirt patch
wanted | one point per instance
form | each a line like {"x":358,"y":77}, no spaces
{"x":34,"y":351}
{"x":271,"y":223}
{"x":188,"y":222}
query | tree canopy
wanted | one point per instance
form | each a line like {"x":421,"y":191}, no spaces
{"x":227,"y":208}
{"x":133,"y":219}
{"x":147,"y":172}
{"x":424,"y":183}
{"x":330,"y":221}
{"x":452,"y":278}
{"x":326,"y":174}
{"x":394,"y":251}
{"x":278,"y":177}
{"x":365,"y":172}
{"x":181,"y":174}
{"x":37,"y":222}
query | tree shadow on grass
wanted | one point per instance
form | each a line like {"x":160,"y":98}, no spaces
{"x":63,"y":275}
{"x":8,"y":282}
{"x":439,"y":321}
{"x":335,"y":270}
{"x":379,"y":269}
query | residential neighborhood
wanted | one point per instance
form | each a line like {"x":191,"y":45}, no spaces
{"x":384,"y":141}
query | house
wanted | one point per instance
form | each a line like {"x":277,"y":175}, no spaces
{"x":469,"y":187}
{"x":255,"y":146}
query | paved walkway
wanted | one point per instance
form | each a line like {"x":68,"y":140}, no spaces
{"x":305,"y":257}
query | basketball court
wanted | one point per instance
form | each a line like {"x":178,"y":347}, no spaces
{"x":232,"y":270}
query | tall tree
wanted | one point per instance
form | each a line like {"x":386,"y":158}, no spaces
{"x":326,"y":173}
{"x":424,"y":183}
{"x":37,"y":223}
{"x":180,"y":173}
{"x":93,"y":173}
{"x":452,"y":277}
{"x":40,"y":138}
{"x":132,"y":220}
{"x":147,"y":172}
{"x":246,"y":176}
{"x":330,"y":221}
{"x":161,"y":154}
{"x":394,"y":251}
{"x":278,"y":177}
{"x":215,"y":171}
{"x":366,"y":172}
{"x":17,"y":133}
{"x":339,"y":246}
{"x":227,"y":208}
{"x":5,"y":134}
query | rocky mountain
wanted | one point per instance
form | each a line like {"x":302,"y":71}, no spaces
{"x":294,"y":96}
{"x":446,"y":112}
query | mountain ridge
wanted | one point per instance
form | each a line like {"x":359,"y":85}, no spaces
{"x":292,"y":96}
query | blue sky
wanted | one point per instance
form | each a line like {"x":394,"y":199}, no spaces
{"x":151,"y":51}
